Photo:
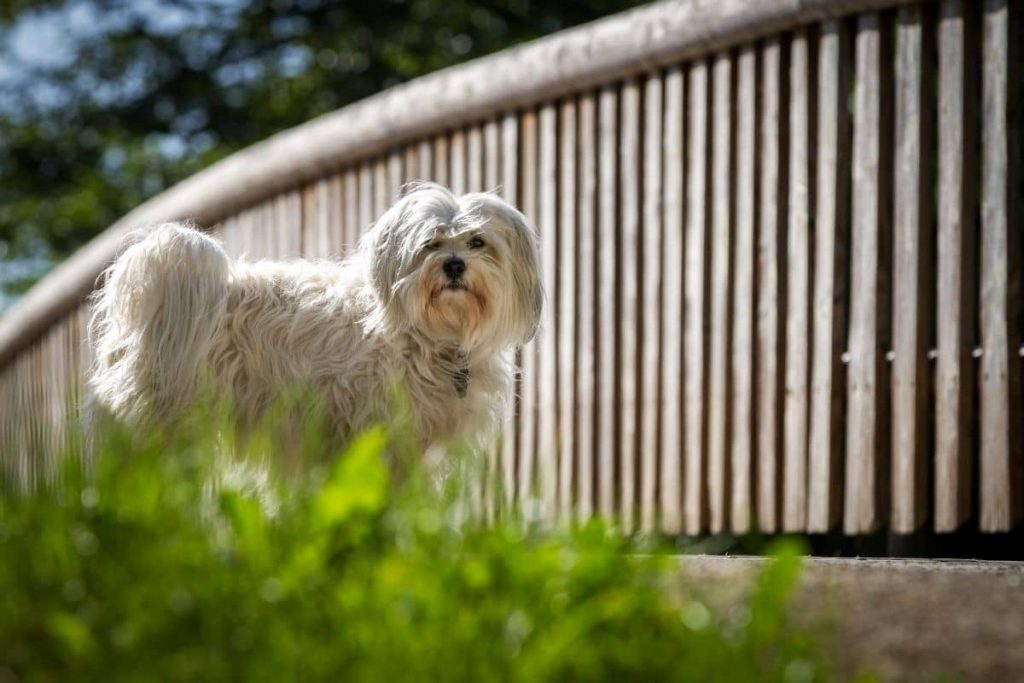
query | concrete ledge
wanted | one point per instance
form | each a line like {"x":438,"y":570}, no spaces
{"x":902,"y":619}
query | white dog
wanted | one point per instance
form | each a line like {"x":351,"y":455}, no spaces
{"x":439,"y":292}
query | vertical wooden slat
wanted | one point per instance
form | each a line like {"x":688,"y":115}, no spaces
{"x":956,"y":305}
{"x":425,"y":160}
{"x":23,"y":384}
{"x":721,"y":249}
{"x":652,"y":245}
{"x":770,"y":284}
{"x":528,"y":441}
{"x":58,"y":388}
{"x":831,"y":247}
{"x":607,"y":312}
{"x":365,"y":201}
{"x":7,"y":446}
{"x":507,"y":148}
{"x":510,"y":157}
{"x":309,"y":237}
{"x":567,"y":309}
{"x":35,"y":413}
{"x":411,"y":164}
{"x":484,"y":149}
{"x":867,"y":443}
{"x":671,"y":490}
{"x":350,"y":186}
{"x":547,"y":421}
{"x":743,"y":306}
{"x":482,"y":488}
{"x":586,"y":384}
{"x":395,"y":175}
{"x":458,"y":178}
{"x":474,"y":160}
{"x":321,"y":204}
{"x":912,"y":259}
{"x":695,"y":273}
{"x":798,"y":274}
{"x":441,"y":161}
{"x":1002,"y":450}
{"x":381,"y":190}
{"x":629,"y":319}
{"x":492,"y":157}
{"x":286,"y":225}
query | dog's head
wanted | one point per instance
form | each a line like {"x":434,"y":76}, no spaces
{"x":459,"y":270}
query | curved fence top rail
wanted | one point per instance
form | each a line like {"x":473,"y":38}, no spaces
{"x":645,"y":38}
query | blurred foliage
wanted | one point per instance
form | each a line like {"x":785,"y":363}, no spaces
{"x":134,"y":95}
{"x":171,"y":559}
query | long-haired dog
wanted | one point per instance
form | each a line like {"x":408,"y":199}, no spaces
{"x":438,"y":293}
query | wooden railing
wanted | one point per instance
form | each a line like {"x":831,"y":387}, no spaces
{"x":782,"y":249}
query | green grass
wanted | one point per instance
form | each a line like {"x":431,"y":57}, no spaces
{"x":140,"y":568}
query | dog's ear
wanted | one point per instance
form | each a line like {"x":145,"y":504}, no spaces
{"x":529,"y":295}
{"x":381,"y":245}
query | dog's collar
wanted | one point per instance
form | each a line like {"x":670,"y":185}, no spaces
{"x":458,"y":363}
{"x":461,"y":381}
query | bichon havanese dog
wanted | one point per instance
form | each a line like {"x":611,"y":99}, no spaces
{"x":438,"y":293}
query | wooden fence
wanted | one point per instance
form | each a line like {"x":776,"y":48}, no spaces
{"x":782,"y":247}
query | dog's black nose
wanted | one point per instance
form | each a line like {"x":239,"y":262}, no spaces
{"x":454,"y":267}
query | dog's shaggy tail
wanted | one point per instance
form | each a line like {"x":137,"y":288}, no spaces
{"x":154,"y":319}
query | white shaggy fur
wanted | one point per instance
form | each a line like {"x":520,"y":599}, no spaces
{"x":383,"y":330}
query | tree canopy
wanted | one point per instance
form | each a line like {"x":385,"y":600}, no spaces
{"x":104,"y":103}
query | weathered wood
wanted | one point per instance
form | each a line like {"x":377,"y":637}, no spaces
{"x":440,"y":171}
{"x":381,"y":191}
{"x":913,"y":254}
{"x":607,"y":313}
{"x":411,"y":164}
{"x":867,"y":442}
{"x":425,"y":160}
{"x":510,"y":157}
{"x":500,"y":159}
{"x":651,"y":244}
{"x":586,"y":347}
{"x":286,"y":225}
{"x":671,"y":484}
{"x":492,"y":155}
{"x":458,"y":178}
{"x":547,"y":395}
{"x":350,"y":187}
{"x":567,"y":289}
{"x":528,"y":442}
{"x":311,"y":219}
{"x":365,"y":197}
{"x":629,"y":302}
{"x":743,"y":304}
{"x":475,"y":160}
{"x":770,"y":284}
{"x":800,"y":202}
{"x":396,"y":172}
{"x":1002,"y":401}
{"x":591,"y":55}
{"x":696,"y":269}
{"x":831,"y":245}
{"x":718,"y":296}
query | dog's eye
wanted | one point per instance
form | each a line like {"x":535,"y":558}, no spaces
{"x":433,"y":245}
{"x":476,"y":243}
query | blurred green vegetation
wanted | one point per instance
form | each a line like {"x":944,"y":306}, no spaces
{"x":169,"y":559}
{"x":103,"y":103}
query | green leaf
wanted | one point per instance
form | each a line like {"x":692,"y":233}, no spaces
{"x":71,"y":633}
{"x":357,"y":484}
